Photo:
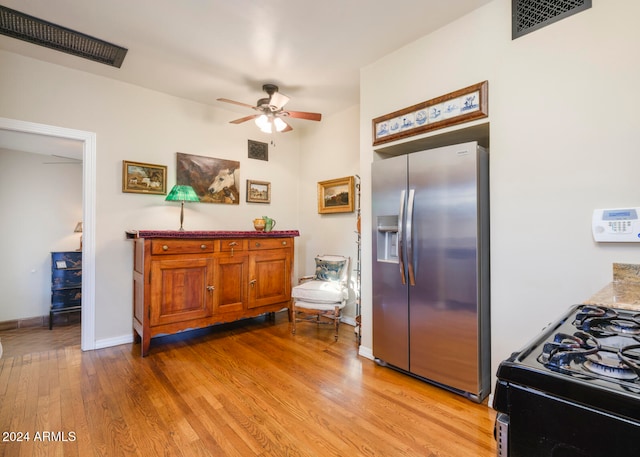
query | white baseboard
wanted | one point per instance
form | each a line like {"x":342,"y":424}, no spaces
{"x":348,"y":320}
{"x":127,"y":339}
{"x":115,"y":341}
{"x":366,"y":352}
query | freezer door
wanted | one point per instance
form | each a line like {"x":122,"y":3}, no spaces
{"x":390,"y":305}
{"x":443,"y":304}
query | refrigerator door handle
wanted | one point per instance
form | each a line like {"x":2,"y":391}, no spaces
{"x":401,"y":239}
{"x":409,"y":236}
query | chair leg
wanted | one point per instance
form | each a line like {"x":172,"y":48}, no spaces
{"x":336,"y":321}
{"x":292,"y":317}
{"x":290,"y":310}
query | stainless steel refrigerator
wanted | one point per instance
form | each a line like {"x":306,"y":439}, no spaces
{"x":431,"y":266}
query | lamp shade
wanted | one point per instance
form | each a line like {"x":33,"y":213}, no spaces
{"x":182,"y":193}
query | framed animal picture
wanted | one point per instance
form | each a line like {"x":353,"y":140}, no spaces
{"x":144,"y":178}
{"x":213,"y":180}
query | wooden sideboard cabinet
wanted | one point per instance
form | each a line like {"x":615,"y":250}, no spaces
{"x":182,"y":283}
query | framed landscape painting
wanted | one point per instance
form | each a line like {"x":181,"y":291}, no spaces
{"x":336,"y":195}
{"x":258,"y":191}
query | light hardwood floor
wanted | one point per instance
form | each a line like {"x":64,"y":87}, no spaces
{"x":243,"y":389}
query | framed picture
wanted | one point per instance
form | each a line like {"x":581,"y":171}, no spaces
{"x":213,"y":180}
{"x":144,"y":178}
{"x":61,"y":264}
{"x":258,"y":191}
{"x":336,"y":195}
{"x":463,"y":105}
{"x":258,"y":150}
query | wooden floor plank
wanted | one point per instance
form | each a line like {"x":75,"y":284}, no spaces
{"x":242,"y":389}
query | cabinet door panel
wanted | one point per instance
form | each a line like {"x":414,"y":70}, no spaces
{"x":180,"y":290}
{"x":230,"y":275}
{"x":270,"y":278}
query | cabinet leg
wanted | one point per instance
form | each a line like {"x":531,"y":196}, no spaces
{"x":144,"y":346}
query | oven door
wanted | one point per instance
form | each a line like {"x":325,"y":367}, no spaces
{"x":544,"y":425}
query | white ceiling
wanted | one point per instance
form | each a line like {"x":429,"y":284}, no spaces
{"x":206,"y":49}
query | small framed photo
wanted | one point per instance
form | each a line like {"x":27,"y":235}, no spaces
{"x":258,"y":191}
{"x":336,"y":196}
{"x":258,"y":150}
{"x":61,"y":264}
{"x":144,"y":178}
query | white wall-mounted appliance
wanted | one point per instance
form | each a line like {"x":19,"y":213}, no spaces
{"x":616,"y":225}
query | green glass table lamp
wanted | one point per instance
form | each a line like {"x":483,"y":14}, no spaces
{"x":182,"y":194}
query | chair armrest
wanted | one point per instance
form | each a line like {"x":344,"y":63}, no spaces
{"x":305,"y":278}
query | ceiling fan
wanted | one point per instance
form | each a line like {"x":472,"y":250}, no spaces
{"x":271,"y":111}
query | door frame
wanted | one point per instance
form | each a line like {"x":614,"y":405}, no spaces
{"x":87,"y":339}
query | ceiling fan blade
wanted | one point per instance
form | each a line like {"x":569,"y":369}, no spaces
{"x":304,"y":115}
{"x":226,"y":100}
{"x":244,"y":119}
{"x":278,"y":100}
{"x":288,"y":128}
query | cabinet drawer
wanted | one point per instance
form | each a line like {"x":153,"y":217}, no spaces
{"x":232,"y":245}
{"x":270,"y":243}
{"x":66,"y":298}
{"x":61,"y":279}
{"x":66,"y":260}
{"x":180,"y":246}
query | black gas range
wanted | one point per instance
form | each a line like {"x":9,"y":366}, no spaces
{"x":574,"y":391}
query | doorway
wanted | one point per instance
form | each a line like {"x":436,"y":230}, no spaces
{"x":88,"y":139}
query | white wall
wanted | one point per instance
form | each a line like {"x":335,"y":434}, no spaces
{"x":132,"y":123}
{"x":329,"y":151}
{"x":136,"y":124}
{"x":563,"y":111}
{"x":41,"y":207}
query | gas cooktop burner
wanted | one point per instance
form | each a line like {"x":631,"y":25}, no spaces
{"x":609,"y":364}
{"x":631,"y":356}
{"x":589,"y":311}
{"x":566,"y":348}
{"x":601,"y":322}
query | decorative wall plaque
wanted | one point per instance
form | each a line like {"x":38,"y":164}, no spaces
{"x":463,"y":105}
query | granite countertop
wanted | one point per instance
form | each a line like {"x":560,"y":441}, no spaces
{"x":623,"y":292}
{"x":186,"y":234}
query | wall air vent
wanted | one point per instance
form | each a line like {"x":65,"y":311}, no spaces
{"x":530,"y":15}
{"x":28,"y":28}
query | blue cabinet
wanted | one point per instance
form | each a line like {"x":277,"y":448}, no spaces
{"x":66,"y":283}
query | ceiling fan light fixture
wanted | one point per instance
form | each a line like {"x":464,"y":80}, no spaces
{"x":279,"y":124}
{"x":271,"y":111}
{"x":263,"y":123}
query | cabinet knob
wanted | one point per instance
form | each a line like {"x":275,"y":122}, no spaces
{"x":257,"y":245}
{"x":284,"y":243}
{"x":165,"y":247}
{"x":252,"y":282}
{"x":210,"y":288}
{"x":203,"y":246}
{"x":233,"y":243}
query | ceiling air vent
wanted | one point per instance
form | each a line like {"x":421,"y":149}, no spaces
{"x":531,"y":15}
{"x":28,"y":28}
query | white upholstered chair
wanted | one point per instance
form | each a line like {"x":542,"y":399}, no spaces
{"x":320,"y":298}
